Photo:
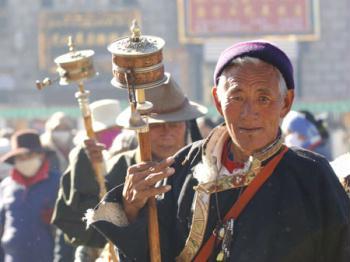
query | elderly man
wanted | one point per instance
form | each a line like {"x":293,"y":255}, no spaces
{"x":240,"y":195}
{"x":169,"y":132}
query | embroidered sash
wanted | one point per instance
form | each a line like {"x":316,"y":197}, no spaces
{"x":201,"y":202}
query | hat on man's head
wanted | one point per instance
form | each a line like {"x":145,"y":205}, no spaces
{"x":58,"y":119}
{"x":22,"y":142}
{"x":262,"y":50}
{"x":169,"y":105}
{"x":104,"y":113}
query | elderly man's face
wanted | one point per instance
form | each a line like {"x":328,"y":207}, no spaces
{"x":167,"y":138}
{"x":252,"y":105}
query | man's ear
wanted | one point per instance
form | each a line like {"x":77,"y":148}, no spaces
{"x":214,"y":92}
{"x":288,"y":101}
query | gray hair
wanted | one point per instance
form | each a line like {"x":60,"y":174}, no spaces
{"x":240,"y":61}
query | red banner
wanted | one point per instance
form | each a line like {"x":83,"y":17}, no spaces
{"x":244,"y":18}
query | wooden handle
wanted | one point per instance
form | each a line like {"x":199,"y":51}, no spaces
{"x":153,"y":227}
{"x":145,"y":146}
{"x":88,"y":127}
{"x":100,"y":171}
{"x":153,"y":230}
{"x":99,"y":167}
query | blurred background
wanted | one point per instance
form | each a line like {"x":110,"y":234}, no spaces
{"x":314,"y":33}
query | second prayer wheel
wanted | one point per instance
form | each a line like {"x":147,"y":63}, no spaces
{"x":139,"y":55}
{"x":75,"y":66}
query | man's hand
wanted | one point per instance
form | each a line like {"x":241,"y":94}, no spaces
{"x":140,"y":185}
{"x":94,"y":150}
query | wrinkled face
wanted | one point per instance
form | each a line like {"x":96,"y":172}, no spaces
{"x":167,"y":138}
{"x":250,"y":100}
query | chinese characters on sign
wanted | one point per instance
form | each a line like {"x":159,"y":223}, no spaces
{"x":201,"y":19}
{"x":88,"y":30}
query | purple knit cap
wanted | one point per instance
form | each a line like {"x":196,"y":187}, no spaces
{"x":262,"y":50}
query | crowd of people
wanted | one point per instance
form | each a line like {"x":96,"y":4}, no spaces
{"x":255,"y":185}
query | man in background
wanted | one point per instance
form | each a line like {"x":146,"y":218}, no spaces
{"x":169,"y":131}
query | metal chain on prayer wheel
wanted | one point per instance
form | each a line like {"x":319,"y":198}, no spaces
{"x":137,"y":65}
{"x":75,"y":67}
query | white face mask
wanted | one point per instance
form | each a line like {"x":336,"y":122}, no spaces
{"x":28,"y":167}
{"x":293,"y":139}
{"x":62,"y":137}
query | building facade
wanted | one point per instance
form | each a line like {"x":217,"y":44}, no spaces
{"x":34,"y":32}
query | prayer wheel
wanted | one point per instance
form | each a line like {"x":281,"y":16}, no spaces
{"x":74,"y":66}
{"x":139,"y":55}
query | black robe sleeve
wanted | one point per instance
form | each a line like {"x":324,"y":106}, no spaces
{"x":300,"y":214}
{"x":78,"y":192}
{"x":132,"y":240}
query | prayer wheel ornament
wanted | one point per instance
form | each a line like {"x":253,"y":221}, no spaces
{"x":74,"y":66}
{"x":142,"y":56}
{"x":137,"y":64}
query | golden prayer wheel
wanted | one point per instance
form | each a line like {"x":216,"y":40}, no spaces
{"x":140,"y":55}
{"x":74,"y":66}
{"x":137,"y":65}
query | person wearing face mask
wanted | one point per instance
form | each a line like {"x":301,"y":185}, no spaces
{"x":27,"y":198}
{"x":58,"y":137}
{"x":104,"y":113}
{"x":301,"y":129}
